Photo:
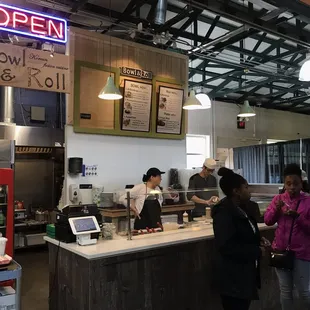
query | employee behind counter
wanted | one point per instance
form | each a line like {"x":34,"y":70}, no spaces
{"x":146,"y":200}
{"x":197,"y":193}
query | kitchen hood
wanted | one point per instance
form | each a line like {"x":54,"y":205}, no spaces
{"x":31,"y":136}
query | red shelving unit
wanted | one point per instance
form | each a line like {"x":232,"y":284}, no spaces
{"x":7,"y":206}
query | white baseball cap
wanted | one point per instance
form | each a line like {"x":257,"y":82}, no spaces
{"x":210,"y":163}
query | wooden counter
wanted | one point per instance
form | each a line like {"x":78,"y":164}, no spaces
{"x":159,"y":272}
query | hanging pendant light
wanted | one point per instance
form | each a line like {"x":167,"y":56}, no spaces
{"x":110,"y":91}
{"x":246,"y":110}
{"x":192,"y":103}
{"x":304,"y":73}
{"x":204,"y":100}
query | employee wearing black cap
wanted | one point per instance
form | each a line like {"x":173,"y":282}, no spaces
{"x":146,"y":200}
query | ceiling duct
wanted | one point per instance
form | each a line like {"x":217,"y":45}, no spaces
{"x":7,"y":105}
{"x":161,"y":11}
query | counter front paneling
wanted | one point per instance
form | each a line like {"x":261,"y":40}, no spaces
{"x":169,"y":270}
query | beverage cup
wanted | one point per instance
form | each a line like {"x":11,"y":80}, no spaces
{"x":3,"y":242}
{"x":208,"y":213}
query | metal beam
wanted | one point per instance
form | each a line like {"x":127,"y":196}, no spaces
{"x":225,"y":26}
{"x":234,"y":39}
{"x":195,"y":31}
{"x":191,"y":17}
{"x":221,"y":39}
{"x":207,"y":58}
{"x":294,"y":61}
{"x":280,"y":94}
{"x":262,"y":56}
{"x":273,"y":14}
{"x":258,"y":44}
{"x":291,"y":80}
{"x":293,"y":108}
{"x":294,"y":6}
{"x":223,"y":76}
{"x":245,"y":87}
{"x":236,"y":12}
{"x":212,"y":27}
{"x":249,"y":93}
{"x":132,"y":6}
{"x":259,"y":96}
{"x":294,"y":99}
{"x":216,"y":76}
{"x":220,"y":86}
{"x":257,"y":56}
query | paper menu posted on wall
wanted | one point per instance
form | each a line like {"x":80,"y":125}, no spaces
{"x":137,"y":106}
{"x":169,"y":117}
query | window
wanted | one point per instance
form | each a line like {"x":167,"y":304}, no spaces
{"x":197,"y":150}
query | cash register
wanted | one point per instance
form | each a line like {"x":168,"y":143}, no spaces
{"x":63,"y":230}
{"x":83,"y":227}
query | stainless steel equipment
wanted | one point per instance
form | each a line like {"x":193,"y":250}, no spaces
{"x":31,"y":136}
{"x":7,"y":153}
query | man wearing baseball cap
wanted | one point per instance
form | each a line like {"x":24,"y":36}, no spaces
{"x":202,"y":189}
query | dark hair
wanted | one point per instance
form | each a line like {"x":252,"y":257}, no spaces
{"x":152,"y":172}
{"x":230,"y":181}
{"x":292,"y":169}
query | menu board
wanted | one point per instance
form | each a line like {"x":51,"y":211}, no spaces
{"x":137,"y":106}
{"x":169,"y":115}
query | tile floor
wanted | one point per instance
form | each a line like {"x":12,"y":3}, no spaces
{"x":35,"y":278}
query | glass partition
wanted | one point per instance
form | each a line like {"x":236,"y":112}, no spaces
{"x":140,"y":210}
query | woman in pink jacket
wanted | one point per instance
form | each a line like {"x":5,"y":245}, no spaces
{"x":282,"y":211}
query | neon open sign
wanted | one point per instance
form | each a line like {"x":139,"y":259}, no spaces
{"x":33,"y":24}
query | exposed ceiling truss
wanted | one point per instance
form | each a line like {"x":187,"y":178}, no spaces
{"x":238,"y":49}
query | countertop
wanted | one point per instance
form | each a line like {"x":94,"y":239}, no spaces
{"x":109,"y":248}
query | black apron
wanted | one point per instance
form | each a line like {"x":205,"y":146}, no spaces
{"x":150,"y":214}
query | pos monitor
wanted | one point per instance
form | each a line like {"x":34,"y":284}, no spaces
{"x":83,"y":227}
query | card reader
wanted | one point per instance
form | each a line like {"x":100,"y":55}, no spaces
{"x":83,"y":227}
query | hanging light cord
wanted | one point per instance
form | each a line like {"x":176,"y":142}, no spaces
{"x":110,"y":16}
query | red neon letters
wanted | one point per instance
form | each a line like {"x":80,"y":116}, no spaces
{"x":28,"y":23}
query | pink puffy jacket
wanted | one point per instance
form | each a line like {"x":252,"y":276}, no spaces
{"x":301,"y":232}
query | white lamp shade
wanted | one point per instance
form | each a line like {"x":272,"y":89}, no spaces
{"x":110,"y":91}
{"x":204,"y":100}
{"x":246,"y":110}
{"x":304,"y":73}
{"x":192,"y":103}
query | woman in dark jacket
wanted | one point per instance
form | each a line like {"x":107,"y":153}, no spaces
{"x":238,"y":242}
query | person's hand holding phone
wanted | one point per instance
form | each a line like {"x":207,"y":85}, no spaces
{"x":292,"y":213}
{"x":279,"y":205}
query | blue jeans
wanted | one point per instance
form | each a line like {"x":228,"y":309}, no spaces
{"x":298,"y":278}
